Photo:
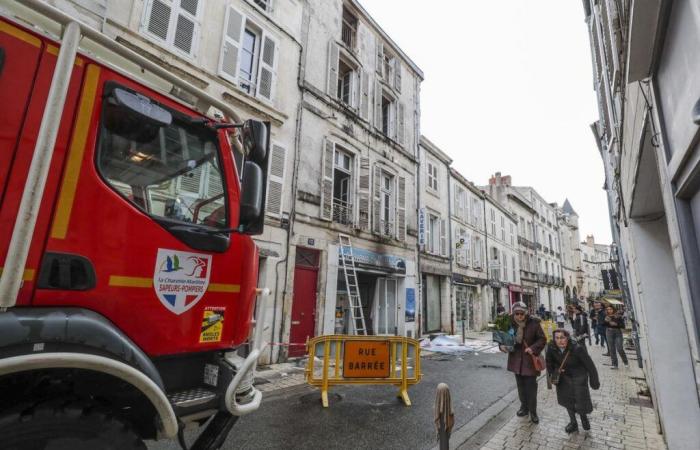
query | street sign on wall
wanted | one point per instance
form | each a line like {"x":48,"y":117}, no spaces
{"x":421,"y":227}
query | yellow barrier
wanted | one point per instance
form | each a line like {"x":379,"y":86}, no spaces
{"x":548,"y":327}
{"x":363,"y":360}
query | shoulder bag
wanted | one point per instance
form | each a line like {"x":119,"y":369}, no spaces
{"x":554,"y":377}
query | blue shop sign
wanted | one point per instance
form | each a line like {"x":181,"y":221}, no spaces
{"x":375,"y":260}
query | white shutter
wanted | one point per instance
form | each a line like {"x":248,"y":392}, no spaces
{"x":275,"y":180}
{"x":186,"y":28}
{"x":443,"y":237}
{"x":455,"y":201}
{"x":214,"y":185}
{"x":377,"y":201}
{"x":393,"y":128}
{"x":363,"y":194}
{"x":267,"y":68}
{"x":397,"y":74}
{"x":402,"y":124}
{"x":327,"y":168}
{"x":380,"y":58}
{"x":428,"y":238}
{"x":234,"y":26}
{"x":158,"y":22}
{"x":401,"y":210}
{"x":378,"y":105}
{"x":467,"y":247}
{"x":458,"y":248}
{"x":191,"y":181}
{"x":364,"y":95}
{"x":333,"y":68}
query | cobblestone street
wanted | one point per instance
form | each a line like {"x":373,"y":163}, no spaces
{"x":622,"y":419}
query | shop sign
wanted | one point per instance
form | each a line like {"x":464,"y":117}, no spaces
{"x":463,"y":279}
{"x":421,"y":227}
{"x":378,"y":260}
{"x":366,"y":359}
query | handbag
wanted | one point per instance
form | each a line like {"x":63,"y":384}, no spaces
{"x":537,"y":361}
{"x":554,"y":377}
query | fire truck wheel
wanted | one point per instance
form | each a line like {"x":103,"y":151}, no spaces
{"x":64,"y":425}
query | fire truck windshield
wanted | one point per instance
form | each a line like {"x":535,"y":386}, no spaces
{"x":169,"y":171}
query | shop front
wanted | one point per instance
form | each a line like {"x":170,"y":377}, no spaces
{"x":515,"y":294}
{"x":468,"y":292}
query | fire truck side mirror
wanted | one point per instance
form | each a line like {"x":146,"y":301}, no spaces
{"x":252,"y":194}
{"x":255,"y":140}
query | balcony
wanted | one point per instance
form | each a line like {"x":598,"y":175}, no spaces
{"x":349,"y":32}
{"x":386,"y":228}
{"x":342,"y":212}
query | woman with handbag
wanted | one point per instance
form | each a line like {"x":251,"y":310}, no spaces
{"x":524,"y":361}
{"x":570,"y":369}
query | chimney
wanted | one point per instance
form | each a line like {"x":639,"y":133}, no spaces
{"x":590,"y":240}
{"x":495,"y":180}
{"x":506,"y":180}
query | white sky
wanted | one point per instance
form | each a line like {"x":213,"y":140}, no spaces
{"x":508,"y":87}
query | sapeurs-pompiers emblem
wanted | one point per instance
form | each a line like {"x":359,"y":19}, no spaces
{"x":180,"y":279}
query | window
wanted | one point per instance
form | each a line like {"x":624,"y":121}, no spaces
{"x":503,"y":228}
{"x":174,"y":23}
{"x":476,"y":212}
{"x":248,"y":56}
{"x":494,"y":264}
{"x":504,"y":258}
{"x":387,"y":114}
{"x":512,"y":260}
{"x":388,"y":67}
{"x":387,"y":204}
{"x":477,"y":254}
{"x":349,"y":29}
{"x":347,"y":84}
{"x":342,"y":187}
{"x":433,"y":233}
{"x":172,"y":172}
{"x":512,"y":234}
{"x":433,"y":176}
{"x":493,"y":222}
{"x":265,"y":5}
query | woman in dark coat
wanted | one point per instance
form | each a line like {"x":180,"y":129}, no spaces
{"x":571,"y":364}
{"x":529,"y":339}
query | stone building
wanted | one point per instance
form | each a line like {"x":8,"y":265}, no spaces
{"x":472,"y":310}
{"x":539,"y":247}
{"x":354,"y":173}
{"x":645,"y":65}
{"x":570,"y":250}
{"x":594,"y":259}
{"x":434,"y":239}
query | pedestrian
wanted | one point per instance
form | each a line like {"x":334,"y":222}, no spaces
{"x":593,"y":319}
{"x":542,"y":311}
{"x":614,"y":324}
{"x":529,"y":342}
{"x":500,"y":309}
{"x":571,"y":370}
{"x":560,"y":318}
{"x":600,"y":326}
{"x":579,"y":323}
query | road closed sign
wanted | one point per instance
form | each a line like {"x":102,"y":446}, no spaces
{"x":366,"y":359}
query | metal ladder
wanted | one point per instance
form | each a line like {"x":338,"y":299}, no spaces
{"x":347,"y":259}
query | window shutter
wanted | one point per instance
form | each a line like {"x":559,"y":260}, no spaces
{"x":213,"y":184}
{"x":378,"y":105}
{"x":333,"y":63}
{"x":380,"y":58}
{"x":364,"y":95}
{"x":191,"y":182}
{"x":228,"y":62}
{"x":401,"y":210}
{"x":159,"y":19}
{"x":267,"y":69}
{"x":275,"y":181}
{"x":393,"y":128}
{"x":397,"y":74}
{"x":467,"y":248}
{"x":327,"y":169}
{"x":376,"y":201}
{"x":363,"y":194}
{"x":402,"y":124}
{"x":186,"y":27}
{"x":443,"y":237}
{"x":458,"y":251}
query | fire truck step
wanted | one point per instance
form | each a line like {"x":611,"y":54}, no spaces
{"x":191,"y":397}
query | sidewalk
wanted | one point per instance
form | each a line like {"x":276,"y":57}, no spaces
{"x":621,"y":419}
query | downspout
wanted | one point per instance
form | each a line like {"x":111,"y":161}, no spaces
{"x":419,"y":278}
{"x":486,"y":244}
{"x":449,"y":253}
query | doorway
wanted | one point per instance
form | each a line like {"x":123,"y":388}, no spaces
{"x":385,"y":307}
{"x":431,"y":304}
{"x":304,"y":299}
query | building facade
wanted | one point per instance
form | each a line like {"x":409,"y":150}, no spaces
{"x":645,"y":65}
{"x":570,"y":250}
{"x":434,"y":239}
{"x":594,"y":259}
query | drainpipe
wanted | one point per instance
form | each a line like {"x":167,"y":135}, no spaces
{"x":486,"y":244}
{"x":449,"y":253}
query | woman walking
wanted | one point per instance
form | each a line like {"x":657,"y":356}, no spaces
{"x":529,"y":343}
{"x":579,"y":322}
{"x":571,"y":369}
{"x":614,"y":324}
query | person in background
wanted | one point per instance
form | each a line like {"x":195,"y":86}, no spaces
{"x":579,"y":323}
{"x":560,"y":318}
{"x":571,"y":369}
{"x":500,"y":309}
{"x":614,"y":324}
{"x":541,"y":311}
{"x":600,"y":326}
{"x":529,"y":340}
{"x":593,"y":319}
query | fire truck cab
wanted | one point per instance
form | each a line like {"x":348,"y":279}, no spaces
{"x":128,"y":282}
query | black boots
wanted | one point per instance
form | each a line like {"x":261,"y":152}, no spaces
{"x":571,"y":427}
{"x":522,"y":412}
{"x":585,"y":423}
{"x":533,"y":418}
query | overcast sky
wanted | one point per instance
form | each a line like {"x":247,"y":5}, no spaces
{"x":508,"y":87}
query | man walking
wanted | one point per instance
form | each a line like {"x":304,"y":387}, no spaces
{"x":561,"y":317}
{"x":614,"y":324}
{"x":600,"y":326}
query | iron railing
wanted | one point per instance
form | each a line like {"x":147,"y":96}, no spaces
{"x":342,"y":212}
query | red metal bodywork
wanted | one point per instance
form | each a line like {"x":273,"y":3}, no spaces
{"x":118,"y":238}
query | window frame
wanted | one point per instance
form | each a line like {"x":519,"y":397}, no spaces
{"x":169,"y":42}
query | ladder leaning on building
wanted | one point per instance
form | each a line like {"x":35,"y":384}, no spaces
{"x":357,"y":317}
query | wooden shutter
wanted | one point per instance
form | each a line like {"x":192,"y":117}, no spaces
{"x":428,"y":237}
{"x":378,"y":105}
{"x":401,"y":210}
{"x":443,"y":237}
{"x":377,"y":201}
{"x":333,"y":69}
{"x":327,"y":168}
{"x":397,"y":74}
{"x":267,"y":68}
{"x":159,"y":19}
{"x":458,"y":251}
{"x":364,"y":95}
{"x":402,"y":124}
{"x":380,"y":57}
{"x":467,"y":248}
{"x":275,"y":180}
{"x":363,"y":195}
{"x":186,"y":25}
{"x":233,"y":30}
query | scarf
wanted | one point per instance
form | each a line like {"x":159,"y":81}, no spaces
{"x":521,"y":329}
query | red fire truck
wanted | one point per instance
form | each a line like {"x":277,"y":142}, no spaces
{"x":128,"y":283}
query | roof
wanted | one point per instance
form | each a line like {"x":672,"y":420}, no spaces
{"x":568,"y":209}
